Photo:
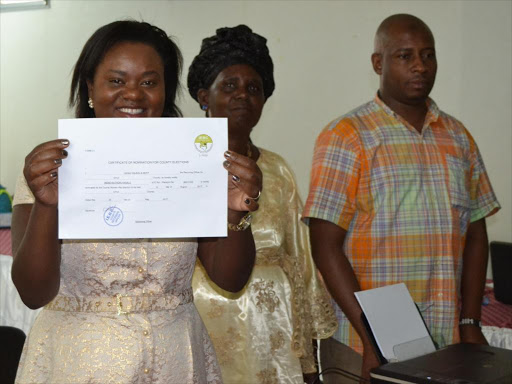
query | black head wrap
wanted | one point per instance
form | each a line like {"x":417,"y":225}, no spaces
{"x":231,"y":46}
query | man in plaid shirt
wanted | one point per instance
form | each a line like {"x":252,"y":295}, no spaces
{"x":399,"y":193}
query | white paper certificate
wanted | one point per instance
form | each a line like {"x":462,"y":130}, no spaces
{"x":143,"y":178}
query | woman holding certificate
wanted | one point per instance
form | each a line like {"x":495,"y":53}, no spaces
{"x":121,"y":310}
{"x":263,"y":334}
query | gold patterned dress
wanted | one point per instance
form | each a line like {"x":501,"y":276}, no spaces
{"x":264,"y":333}
{"x":124,"y":314}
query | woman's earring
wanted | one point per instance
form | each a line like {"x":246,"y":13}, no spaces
{"x":91,"y":104}
{"x":204,"y":107}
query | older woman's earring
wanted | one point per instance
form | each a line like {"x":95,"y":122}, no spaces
{"x":91,"y":104}
{"x":204,"y":107}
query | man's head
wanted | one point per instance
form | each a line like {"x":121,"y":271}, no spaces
{"x":405,"y":60}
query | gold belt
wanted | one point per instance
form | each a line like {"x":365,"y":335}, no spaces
{"x":120,"y":303}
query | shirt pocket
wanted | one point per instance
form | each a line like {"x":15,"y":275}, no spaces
{"x":458,"y":189}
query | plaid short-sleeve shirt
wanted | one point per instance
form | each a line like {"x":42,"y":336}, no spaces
{"x":406,"y":200}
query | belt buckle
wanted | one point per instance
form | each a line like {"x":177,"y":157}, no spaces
{"x":119,"y":305}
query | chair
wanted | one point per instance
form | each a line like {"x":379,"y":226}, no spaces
{"x":11,"y":345}
{"x":501,"y":262}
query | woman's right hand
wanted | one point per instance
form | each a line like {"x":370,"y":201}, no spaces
{"x":41,"y":170}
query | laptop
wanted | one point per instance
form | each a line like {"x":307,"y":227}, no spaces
{"x":413,"y":359}
{"x":501,"y":263}
{"x":455,"y":364}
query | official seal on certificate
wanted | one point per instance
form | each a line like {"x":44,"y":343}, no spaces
{"x":113,"y":216}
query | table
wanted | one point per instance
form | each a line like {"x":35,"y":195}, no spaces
{"x":496,"y":320}
{"x":5,"y":241}
{"x":12,"y":310}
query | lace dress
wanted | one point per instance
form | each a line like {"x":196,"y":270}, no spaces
{"x":124,"y":314}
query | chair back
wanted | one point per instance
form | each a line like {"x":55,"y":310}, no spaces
{"x":11,"y":345}
{"x":501,"y":262}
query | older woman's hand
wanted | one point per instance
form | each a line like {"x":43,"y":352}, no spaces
{"x":41,"y":169}
{"x":245,"y":182}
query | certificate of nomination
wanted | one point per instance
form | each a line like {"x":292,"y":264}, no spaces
{"x":143,"y":178}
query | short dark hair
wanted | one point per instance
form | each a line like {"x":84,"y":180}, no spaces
{"x":412,"y":22}
{"x":126,"y":31}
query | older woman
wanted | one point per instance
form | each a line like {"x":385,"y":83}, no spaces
{"x":264,"y":334}
{"x":126,"y":69}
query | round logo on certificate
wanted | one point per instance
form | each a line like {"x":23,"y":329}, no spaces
{"x":203,"y":143}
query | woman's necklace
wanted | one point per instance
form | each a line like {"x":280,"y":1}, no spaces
{"x":249,"y":150}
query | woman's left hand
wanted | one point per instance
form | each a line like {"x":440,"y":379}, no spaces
{"x":245,"y":182}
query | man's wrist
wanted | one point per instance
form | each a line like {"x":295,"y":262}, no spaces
{"x":470,"y":321}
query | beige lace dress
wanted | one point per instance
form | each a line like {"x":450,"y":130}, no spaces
{"x":263,"y":335}
{"x":124,"y":314}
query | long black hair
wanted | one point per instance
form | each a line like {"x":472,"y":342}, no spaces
{"x":126,"y":31}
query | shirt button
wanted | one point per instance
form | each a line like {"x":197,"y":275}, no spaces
{"x":440,"y":294}
{"x":141,"y":270}
{"x":145,"y":333}
{"x":146,"y":370}
{"x":109,"y":304}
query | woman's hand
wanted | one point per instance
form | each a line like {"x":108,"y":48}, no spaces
{"x":41,"y":170}
{"x":245,"y":182}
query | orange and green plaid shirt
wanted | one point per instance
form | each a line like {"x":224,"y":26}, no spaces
{"x":406,"y":200}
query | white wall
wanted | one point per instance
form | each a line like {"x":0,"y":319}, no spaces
{"x":321,"y":52}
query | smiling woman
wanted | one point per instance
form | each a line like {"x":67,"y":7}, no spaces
{"x":120,"y":311}
{"x":115,"y":61}
{"x":129,"y":82}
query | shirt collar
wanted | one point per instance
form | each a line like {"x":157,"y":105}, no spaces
{"x":431,"y":117}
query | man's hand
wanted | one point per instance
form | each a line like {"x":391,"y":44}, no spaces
{"x":327,"y":245}
{"x":472,"y":334}
{"x":474,"y":267}
{"x":370,"y":361}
